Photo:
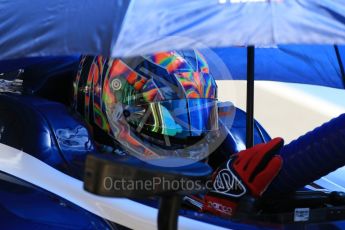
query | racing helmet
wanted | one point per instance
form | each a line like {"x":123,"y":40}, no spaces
{"x":159,"y":104}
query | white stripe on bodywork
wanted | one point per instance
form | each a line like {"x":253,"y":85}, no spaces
{"x":126,"y":212}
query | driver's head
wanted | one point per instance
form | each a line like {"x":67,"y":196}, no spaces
{"x":167,"y":99}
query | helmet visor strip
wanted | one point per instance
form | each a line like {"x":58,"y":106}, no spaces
{"x":177,"y":118}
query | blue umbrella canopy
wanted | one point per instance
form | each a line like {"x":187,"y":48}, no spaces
{"x":125,"y":28}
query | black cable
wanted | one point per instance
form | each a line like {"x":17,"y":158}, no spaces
{"x":250,"y":97}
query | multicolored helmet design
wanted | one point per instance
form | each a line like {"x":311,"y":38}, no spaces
{"x":163,"y":101}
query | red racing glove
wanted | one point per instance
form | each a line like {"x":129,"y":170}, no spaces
{"x":249,"y":172}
